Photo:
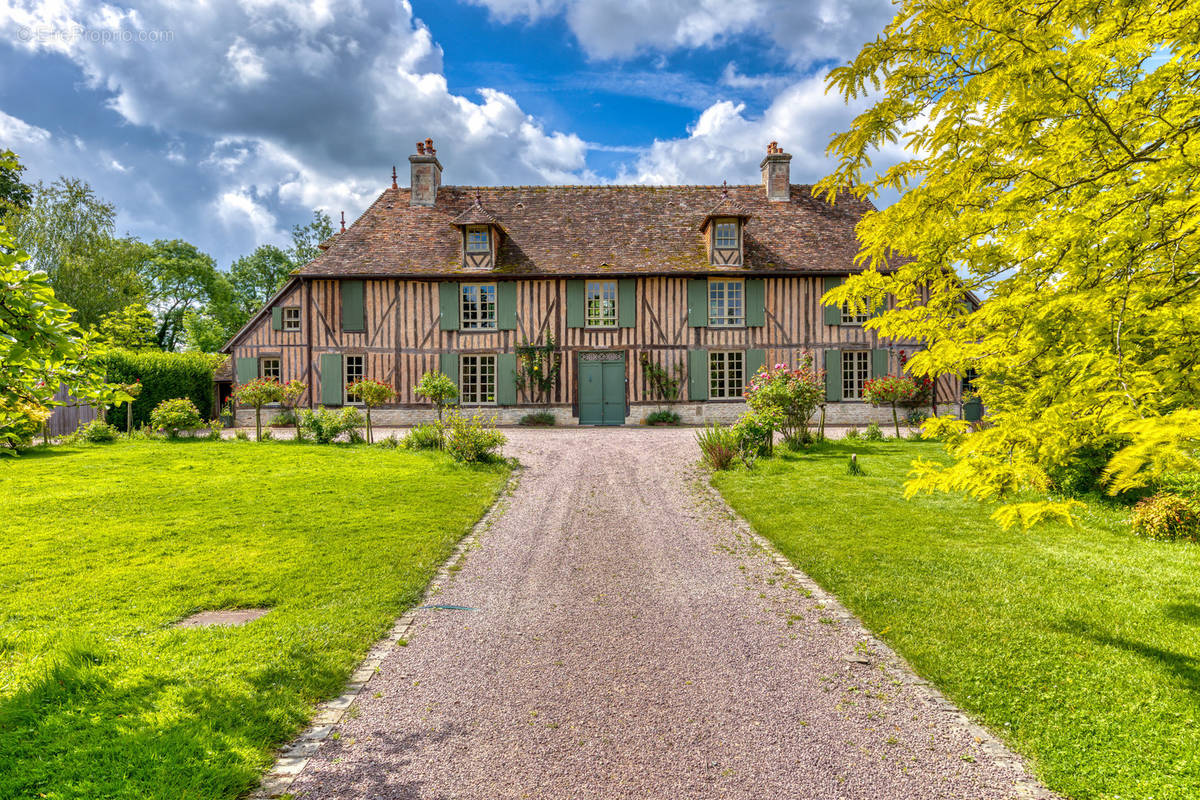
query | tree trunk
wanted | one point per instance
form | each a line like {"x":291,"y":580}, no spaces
{"x":129,"y":417}
{"x":895,"y":420}
{"x":296,"y":420}
{"x":258,"y":423}
{"x":370,"y":436}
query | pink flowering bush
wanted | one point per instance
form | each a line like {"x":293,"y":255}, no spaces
{"x":794,"y":393}
{"x":891,"y":389}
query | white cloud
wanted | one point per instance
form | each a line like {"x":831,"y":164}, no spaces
{"x":804,"y":31}
{"x":237,"y":209}
{"x":248,"y":67}
{"x":14,"y":131}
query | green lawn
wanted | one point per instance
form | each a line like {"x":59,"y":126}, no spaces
{"x":1080,"y":647}
{"x":102,"y":548}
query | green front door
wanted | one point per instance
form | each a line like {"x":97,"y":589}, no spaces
{"x":602,"y":389}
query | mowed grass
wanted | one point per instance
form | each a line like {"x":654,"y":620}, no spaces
{"x":1080,"y":647}
{"x":103,"y":548}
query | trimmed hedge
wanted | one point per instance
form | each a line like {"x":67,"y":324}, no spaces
{"x":163,"y":376}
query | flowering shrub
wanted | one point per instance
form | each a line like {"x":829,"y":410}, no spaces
{"x":472,"y":439}
{"x":437,"y":389}
{"x":924,"y":384}
{"x":718,"y":446}
{"x":755,"y":431}
{"x":258,"y":393}
{"x":1166,"y":516}
{"x":890,"y":389}
{"x":325,"y":425}
{"x":175,"y":415}
{"x":372,"y":393}
{"x":290,"y":394}
{"x":795,"y":393}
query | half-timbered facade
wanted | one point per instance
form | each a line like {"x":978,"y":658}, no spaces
{"x":707,"y":282}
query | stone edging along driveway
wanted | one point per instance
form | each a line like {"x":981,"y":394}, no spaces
{"x":621,"y":633}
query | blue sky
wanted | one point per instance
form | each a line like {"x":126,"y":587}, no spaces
{"x":226,"y":122}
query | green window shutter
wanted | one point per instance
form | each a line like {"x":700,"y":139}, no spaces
{"x":753,"y":360}
{"x":276,"y":318}
{"x":331,"y":379}
{"x":697,"y":374}
{"x":247,"y":369}
{"x":698,"y":306}
{"x":353,"y":314}
{"x":626,"y":302}
{"x":576,"y":304}
{"x":450,"y":300}
{"x":506,"y":305}
{"x":506,"y":379}
{"x":756,"y":303}
{"x":833,"y":314}
{"x":448,"y":366}
{"x":879,"y":363}
{"x":833,"y":375}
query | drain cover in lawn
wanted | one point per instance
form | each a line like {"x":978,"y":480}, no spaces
{"x":227,"y":618}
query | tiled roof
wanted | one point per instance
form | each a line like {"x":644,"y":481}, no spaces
{"x":725,"y":207}
{"x":475,"y":215}
{"x":566,"y":230}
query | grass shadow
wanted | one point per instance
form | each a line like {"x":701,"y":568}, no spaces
{"x":1184,"y":667}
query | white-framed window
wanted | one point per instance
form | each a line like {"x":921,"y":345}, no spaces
{"x":291,"y":318}
{"x":478,"y":239}
{"x":726,"y":374}
{"x":477,"y":380}
{"x":602,"y":304}
{"x":269,"y":368}
{"x":850,"y":318}
{"x":726,"y":302}
{"x":353,"y":373}
{"x":478,"y":306}
{"x":725,"y":237}
{"x":856,"y":368}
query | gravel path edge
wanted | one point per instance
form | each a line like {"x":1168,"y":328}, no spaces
{"x":898,"y":668}
{"x":293,"y":758}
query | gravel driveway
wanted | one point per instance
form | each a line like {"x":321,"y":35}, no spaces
{"x":626,"y":641}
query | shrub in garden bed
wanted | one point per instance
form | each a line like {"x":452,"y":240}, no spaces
{"x":428,"y":436}
{"x":718,"y":446}
{"x":96,"y":431}
{"x":875,"y":433}
{"x":472,"y":439}
{"x":1167,"y":517}
{"x":662,"y":417}
{"x":538,"y":419}
{"x":174,"y":416}
{"x":326,"y":425}
{"x":283,"y":419}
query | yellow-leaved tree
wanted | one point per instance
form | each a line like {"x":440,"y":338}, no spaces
{"x":1053,"y":166}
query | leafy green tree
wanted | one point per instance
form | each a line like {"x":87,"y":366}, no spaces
{"x":438,"y":389}
{"x":305,"y":239}
{"x":258,"y":276}
{"x":178,"y":278}
{"x":131,"y":328}
{"x":40,"y":349}
{"x":1052,"y":167}
{"x":15,"y":195}
{"x":68,"y":233}
{"x":256,"y":394}
{"x":373,"y":394}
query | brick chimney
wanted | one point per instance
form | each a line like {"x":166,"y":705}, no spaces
{"x":426,"y":174}
{"x":777,"y":173}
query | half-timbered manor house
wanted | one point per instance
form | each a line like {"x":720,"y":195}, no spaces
{"x":708,"y":282}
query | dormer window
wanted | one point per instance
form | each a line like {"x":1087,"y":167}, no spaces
{"x":723,"y":227}
{"x":726,"y":237}
{"x":479,"y":239}
{"x":480,"y":236}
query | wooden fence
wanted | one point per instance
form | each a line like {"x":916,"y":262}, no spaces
{"x":66,"y":418}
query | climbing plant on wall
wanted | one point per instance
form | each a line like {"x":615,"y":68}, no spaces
{"x":538,"y":366}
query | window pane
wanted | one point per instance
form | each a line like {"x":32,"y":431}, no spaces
{"x":726,"y":303}
{"x":477,"y":239}
{"x":478,"y":306}
{"x":477,"y":376}
{"x":269,"y":368}
{"x":602,"y":304}
{"x":291,"y":319}
{"x":727,"y":236}
{"x":856,"y":368}
{"x":725,"y":374}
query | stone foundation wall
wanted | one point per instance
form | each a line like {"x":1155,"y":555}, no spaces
{"x":691,"y":413}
